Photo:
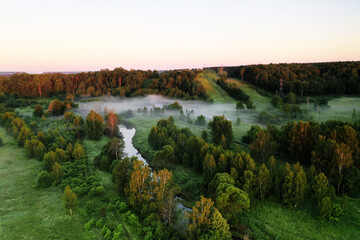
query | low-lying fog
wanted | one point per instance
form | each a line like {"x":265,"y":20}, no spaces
{"x":200,"y":107}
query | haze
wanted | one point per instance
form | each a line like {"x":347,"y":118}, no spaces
{"x":39,"y":36}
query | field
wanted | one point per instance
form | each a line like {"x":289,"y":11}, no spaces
{"x":216,"y":93}
{"x":271,"y":220}
{"x":27,"y":212}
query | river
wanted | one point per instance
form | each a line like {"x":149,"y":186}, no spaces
{"x":130,"y":150}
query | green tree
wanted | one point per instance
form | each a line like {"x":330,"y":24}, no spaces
{"x":38,"y":111}
{"x":204,"y":135}
{"x":79,"y":152}
{"x":70,"y":199}
{"x":209,"y":169}
{"x":263,"y":147}
{"x":121,"y":173}
{"x":165,"y":156}
{"x":206,"y":220}
{"x":354,"y":114}
{"x":49,"y":160}
{"x":221,"y":127}
{"x":240,"y":105}
{"x":94,"y":125}
{"x":249,"y":183}
{"x":320,"y":186}
{"x":56,"y":172}
{"x":238,"y":121}
{"x":44,"y":180}
{"x":249,"y":104}
{"x":263,"y":180}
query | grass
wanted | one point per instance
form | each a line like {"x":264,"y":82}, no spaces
{"x":274,"y":221}
{"x":217,"y":94}
{"x":27,"y":212}
{"x":261,"y":102}
{"x":340,"y":108}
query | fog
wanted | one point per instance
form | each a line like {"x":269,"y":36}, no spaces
{"x":119,"y":105}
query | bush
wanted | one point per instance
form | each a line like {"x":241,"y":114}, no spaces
{"x":44,"y":180}
{"x":100,"y":223}
{"x":96,"y":191}
{"x":38,"y":111}
{"x":89,"y":224}
{"x":1,"y":142}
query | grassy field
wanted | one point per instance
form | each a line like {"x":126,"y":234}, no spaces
{"x":272,"y":220}
{"x":340,"y":108}
{"x":261,"y":102}
{"x":217,"y":94}
{"x":27,"y":212}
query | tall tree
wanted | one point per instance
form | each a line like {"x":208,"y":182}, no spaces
{"x":138,"y":190}
{"x":70,"y":199}
{"x":263,"y":147}
{"x":221,"y":127}
{"x":94,"y":125}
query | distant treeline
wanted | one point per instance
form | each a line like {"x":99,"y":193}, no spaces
{"x":303,"y":79}
{"x":177,"y":83}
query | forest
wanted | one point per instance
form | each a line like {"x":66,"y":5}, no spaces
{"x":303,"y":79}
{"x":216,"y":153}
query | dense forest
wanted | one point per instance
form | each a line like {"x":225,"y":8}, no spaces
{"x":303,"y":79}
{"x":118,"y":82}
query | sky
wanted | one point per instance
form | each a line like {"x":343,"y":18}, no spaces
{"x":76,"y":35}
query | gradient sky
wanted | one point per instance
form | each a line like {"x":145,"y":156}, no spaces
{"x":77,"y":35}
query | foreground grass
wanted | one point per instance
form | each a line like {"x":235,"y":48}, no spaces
{"x":274,"y":221}
{"x":27,"y":212}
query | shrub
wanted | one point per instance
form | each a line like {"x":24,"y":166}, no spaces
{"x":89,"y":224}
{"x":38,"y":111}
{"x":100,"y":223}
{"x":44,"y":180}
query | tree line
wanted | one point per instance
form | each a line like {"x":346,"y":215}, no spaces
{"x":303,"y":79}
{"x":176,"y":83}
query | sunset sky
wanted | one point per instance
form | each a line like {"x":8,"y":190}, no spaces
{"x":77,"y":35}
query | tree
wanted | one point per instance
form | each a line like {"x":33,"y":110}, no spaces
{"x":291,"y":98}
{"x":343,"y":160}
{"x":200,"y":121}
{"x":115,"y":148}
{"x":204,"y":135}
{"x":239,"y":105}
{"x":40,"y":151}
{"x":354,"y":114}
{"x":249,"y":104}
{"x":295,"y":184}
{"x":111,"y":123}
{"x":79,"y":152}
{"x":249,"y":183}
{"x":138,"y":190}
{"x":263,"y":147}
{"x":205,"y":219}
{"x":70,"y":199}
{"x":49,"y":160}
{"x":122,"y":172}
{"x":209,"y":169}
{"x":238,"y":121}
{"x":320,"y":186}
{"x":56,"y":172}
{"x":38,"y":111}
{"x":165,"y":156}
{"x":263,"y":180}
{"x":221,"y":127}
{"x":44,"y":179}
{"x":94,"y":125}
{"x":56,"y":108}
{"x":231,"y":200}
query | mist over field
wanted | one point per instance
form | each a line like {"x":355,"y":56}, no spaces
{"x":123,"y":104}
